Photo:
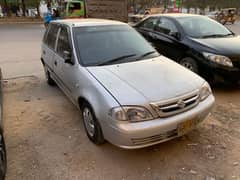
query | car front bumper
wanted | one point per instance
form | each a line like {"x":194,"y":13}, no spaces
{"x":142,"y":134}
{"x":220,"y":73}
{"x":227,"y":75}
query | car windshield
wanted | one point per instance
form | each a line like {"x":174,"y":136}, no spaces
{"x":102,"y":45}
{"x":203,"y":27}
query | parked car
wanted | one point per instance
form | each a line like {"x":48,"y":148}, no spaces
{"x":227,"y":15}
{"x":213,"y":15}
{"x":134,"y":18}
{"x":196,"y":42}
{"x":3,"y":157}
{"x":149,"y":11}
{"x":74,"y":8}
{"x":128,"y":94}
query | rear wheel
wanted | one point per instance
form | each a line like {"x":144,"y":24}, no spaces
{"x":91,"y":124}
{"x":50,"y":81}
{"x":190,"y":64}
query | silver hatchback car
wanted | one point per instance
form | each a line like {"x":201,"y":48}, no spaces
{"x":128,"y":93}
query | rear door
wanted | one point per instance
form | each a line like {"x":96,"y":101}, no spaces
{"x":49,"y":45}
{"x":165,"y":39}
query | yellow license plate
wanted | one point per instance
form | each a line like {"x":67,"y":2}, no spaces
{"x":185,"y":127}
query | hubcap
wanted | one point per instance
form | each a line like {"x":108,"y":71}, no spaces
{"x":188,"y":65}
{"x":88,"y":121}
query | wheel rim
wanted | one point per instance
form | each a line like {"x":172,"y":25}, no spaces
{"x":88,"y":121}
{"x":188,"y":65}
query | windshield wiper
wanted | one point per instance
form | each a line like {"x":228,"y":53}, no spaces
{"x":115,"y":60}
{"x":217,"y":35}
{"x":147,"y":54}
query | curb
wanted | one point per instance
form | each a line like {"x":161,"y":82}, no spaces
{"x":21,"y":22}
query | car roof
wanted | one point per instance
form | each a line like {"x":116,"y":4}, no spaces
{"x":175,"y":15}
{"x":88,"y":22}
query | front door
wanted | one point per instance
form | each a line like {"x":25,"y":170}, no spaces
{"x":64,"y":70}
{"x":146,"y":28}
{"x":165,"y":39}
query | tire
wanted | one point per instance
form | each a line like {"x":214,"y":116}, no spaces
{"x":190,"y":64}
{"x":3,"y":159}
{"x":50,"y":81}
{"x":91,"y":125}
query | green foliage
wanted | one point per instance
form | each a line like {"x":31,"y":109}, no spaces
{"x":32,"y":3}
{"x":212,"y":3}
{"x":191,"y":3}
{"x":29,"y":3}
{"x":177,"y":3}
{"x":8,"y":1}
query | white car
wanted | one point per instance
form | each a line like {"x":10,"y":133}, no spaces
{"x":128,"y":93}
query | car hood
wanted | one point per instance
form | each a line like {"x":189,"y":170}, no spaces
{"x":225,"y":46}
{"x":146,"y":81}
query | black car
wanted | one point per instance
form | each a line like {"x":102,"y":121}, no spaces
{"x":196,"y":42}
{"x":3,"y":159}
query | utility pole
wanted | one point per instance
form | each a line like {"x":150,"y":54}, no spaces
{"x":165,"y":5}
{"x":24,"y":8}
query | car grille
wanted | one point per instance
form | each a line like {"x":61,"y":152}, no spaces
{"x":156,"y":138}
{"x":176,"y":105}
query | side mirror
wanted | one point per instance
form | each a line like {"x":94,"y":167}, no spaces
{"x":67,"y":56}
{"x":176,"y":35}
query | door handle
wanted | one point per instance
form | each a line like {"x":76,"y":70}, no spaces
{"x":55,"y":63}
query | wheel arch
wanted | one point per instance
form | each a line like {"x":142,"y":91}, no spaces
{"x":81,"y":101}
{"x":42,"y":61}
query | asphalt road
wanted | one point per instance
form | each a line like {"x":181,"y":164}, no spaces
{"x":20,"y":49}
{"x":46,"y":140}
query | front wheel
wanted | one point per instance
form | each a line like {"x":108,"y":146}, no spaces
{"x":190,"y":64}
{"x":92,"y":126}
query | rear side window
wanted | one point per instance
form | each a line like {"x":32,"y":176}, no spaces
{"x":166,"y":26}
{"x":46,"y":35}
{"x":52,"y":36}
{"x":63,"y":42}
{"x":150,"y":23}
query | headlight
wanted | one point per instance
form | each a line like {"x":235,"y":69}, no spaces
{"x":205,"y":91}
{"x":223,"y":60}
{"x":131,"y":113}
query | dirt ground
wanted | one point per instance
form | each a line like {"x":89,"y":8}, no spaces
{"x":46,"y":140}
